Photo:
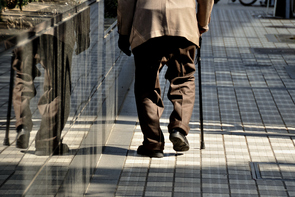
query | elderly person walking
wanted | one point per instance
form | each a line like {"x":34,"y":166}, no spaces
{"x":163,"y":32}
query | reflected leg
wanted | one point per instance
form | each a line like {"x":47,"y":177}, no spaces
{"x":24,"y":90}
{"x":55,"y":102}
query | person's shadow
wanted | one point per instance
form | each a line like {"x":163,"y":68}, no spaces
{"x":107,"y":150}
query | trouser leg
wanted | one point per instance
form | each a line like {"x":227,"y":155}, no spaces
{"x":24,"y":90}
{"x":180,"y":73}
{"x":54,"y":104}
{"x":148,"y":100}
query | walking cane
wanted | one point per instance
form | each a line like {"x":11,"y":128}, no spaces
{"x":200,"y":95}
{"x":6,"y":138}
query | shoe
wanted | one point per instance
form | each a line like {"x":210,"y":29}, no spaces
{"x":60,"y":150}
{"x":22,"y":138}
{"x":179,"y":141}
{"x":141,"y":150}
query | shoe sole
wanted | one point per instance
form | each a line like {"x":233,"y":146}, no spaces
{"x":22,"y":142}
{"x":156,"y":155}
{"x":179,"y":143}
{"x":42,"y":153}
{"x":149,"y":154}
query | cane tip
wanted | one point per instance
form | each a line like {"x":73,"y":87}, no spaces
{"x":6,"y":142}
{"x":202,"y":145}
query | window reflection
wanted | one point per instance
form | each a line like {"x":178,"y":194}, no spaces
{"x":53,"y":51}
{"x":61,"y":84}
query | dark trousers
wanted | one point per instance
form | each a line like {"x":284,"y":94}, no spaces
{"x":179,"y":55}
{"x":54,"y":104}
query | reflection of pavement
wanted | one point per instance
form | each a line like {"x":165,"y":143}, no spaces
{"x":249,"y":121}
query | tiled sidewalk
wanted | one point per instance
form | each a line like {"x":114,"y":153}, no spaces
{"x":249,"y":120}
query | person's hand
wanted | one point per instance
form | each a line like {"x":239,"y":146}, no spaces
{"x":124,"y":44}
{"x":201,"y":30}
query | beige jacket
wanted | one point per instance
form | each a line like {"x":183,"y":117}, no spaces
{"x":145,"y":19}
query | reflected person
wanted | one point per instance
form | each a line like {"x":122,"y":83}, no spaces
{"x":54,"y":51}
{"x":163,"y":32}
